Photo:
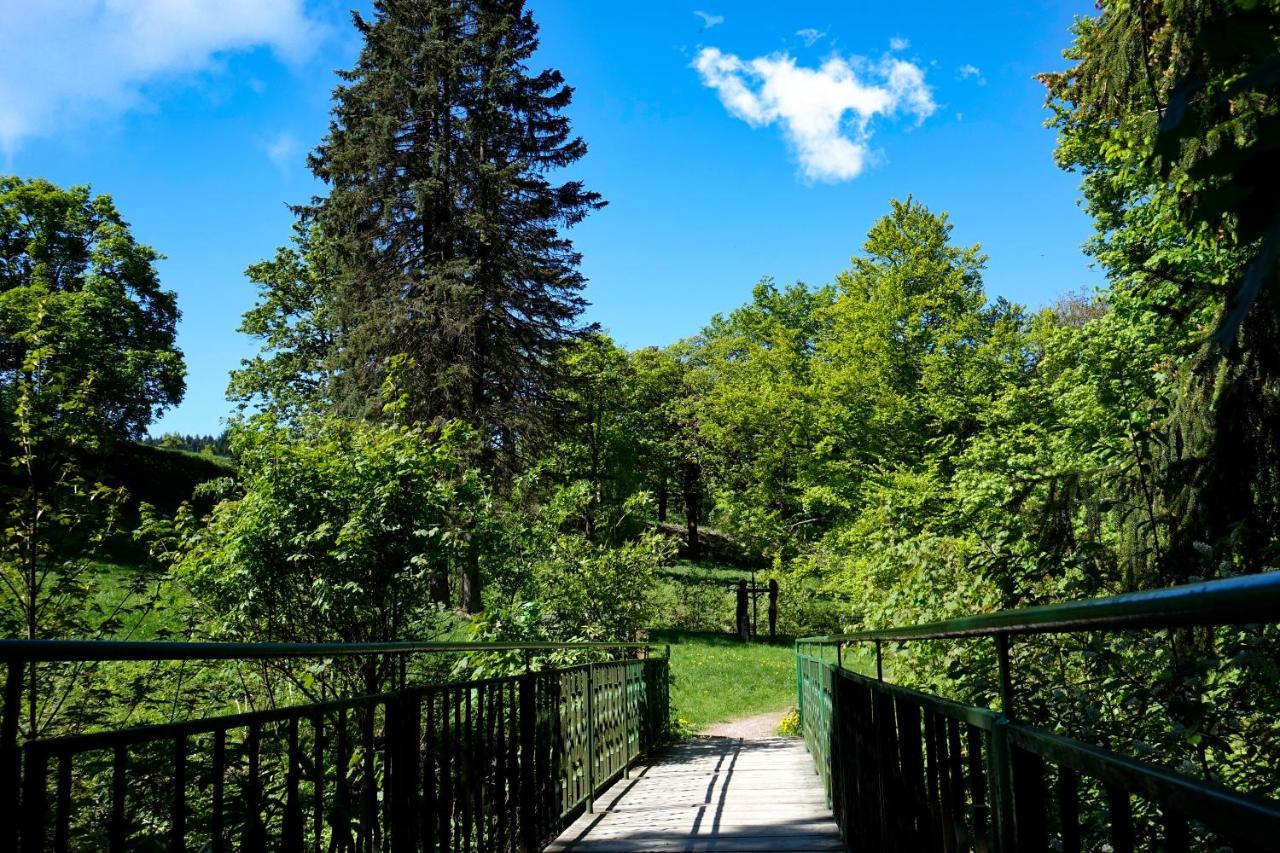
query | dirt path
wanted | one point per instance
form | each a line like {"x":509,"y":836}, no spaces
{"x":749,"y":728}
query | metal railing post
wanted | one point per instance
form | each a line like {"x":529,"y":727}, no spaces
{"x":800,"y":685}
{"x":626,"y":722}
{"x":591,"y":739}
{"x":10,"y":755}
{"x":528,"y":809}
{"x":879,"y":662}
{"x":1000,"y":772}
{"x":1006,"y":678}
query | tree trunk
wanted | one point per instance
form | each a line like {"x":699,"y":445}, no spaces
{"x":662,"y":500}
{"x":692,"y":482}
{"x":469,"y":585}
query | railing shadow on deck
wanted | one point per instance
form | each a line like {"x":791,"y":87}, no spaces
{"x":909,"y":771}
{"x":500,"y":764}
{"x":667,"y":805}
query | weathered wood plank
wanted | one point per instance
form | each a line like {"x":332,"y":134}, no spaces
{"x":712,"y":795}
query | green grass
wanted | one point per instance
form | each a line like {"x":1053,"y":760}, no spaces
{"x":704,"y":571}
{"x":716,"y":677}
{"x":114,"y":596}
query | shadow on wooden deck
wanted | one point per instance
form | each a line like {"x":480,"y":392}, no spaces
{"x":712,"y":794}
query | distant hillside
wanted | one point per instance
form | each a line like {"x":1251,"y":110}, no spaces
{"x":162,"y":476}
{"x":218,"y":445}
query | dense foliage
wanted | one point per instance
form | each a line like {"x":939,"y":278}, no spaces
{"x":429,"y":431}
{"x":446,"y":231}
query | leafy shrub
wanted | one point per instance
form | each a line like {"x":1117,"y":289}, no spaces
{"x":337,"y":531}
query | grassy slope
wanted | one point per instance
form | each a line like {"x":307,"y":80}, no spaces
{"x":702,"y":571}
{"x":717,"y":677}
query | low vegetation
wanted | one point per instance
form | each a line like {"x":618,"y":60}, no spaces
{"x":432,"y":440}
{"x":717,"y":677}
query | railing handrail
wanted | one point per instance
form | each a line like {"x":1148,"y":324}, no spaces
{"x":120,"y":650}
{"x":1231,"y":601}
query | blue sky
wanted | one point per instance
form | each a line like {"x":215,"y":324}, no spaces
{"x":752,"y":139}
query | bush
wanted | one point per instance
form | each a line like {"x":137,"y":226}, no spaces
{"x":338,"y":531}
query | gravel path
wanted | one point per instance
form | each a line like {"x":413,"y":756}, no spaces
{"x":749,"y":728}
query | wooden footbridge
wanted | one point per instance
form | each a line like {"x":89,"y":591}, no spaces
{"x":712,"y":794}
{"x":567,"y":756}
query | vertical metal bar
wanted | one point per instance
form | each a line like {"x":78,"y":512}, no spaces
{"x":591,"y":739}
{"x":293,"y":840}
{"x":1176,"y":837}
{"x":478,"y":765}
{"x":216,"y":831}
{"x":403,"y":731}
{"x":429,"y":754}
{"x":342,"y":788}
{"x":117,"y":832}
{"x":1030,"y":814}
{"x":880,"y":662}
{"x":502,"y":804}
{"x":446,"y":774}
{"x":1006,"y":678}
{"x":799,"y":685}
{"x":978,"y":786}
{"x":934,"y":780}
{"x":369,"y":778}
{"x":458,"y":780}
{"x":35,"y":799}
{"x":467,"y":766}
{"x":911,"y":758}
{"x":10,"y":754}
{"x":528,"y":808}
{"x":956,"y":759}
{"x":1000,"y":775}
{"x":179,"y":826}
{"x":254,"y":832}
{"x":1121,"y":819}
{"x":317,"y":776}
{"x":1069,"y":809}
{"x":62,"y":825}
{"x":626,"y":721}
{"x":839,"y":655}
{"x":946,"y":791}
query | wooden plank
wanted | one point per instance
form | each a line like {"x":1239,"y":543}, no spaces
{"x":712,"y":795}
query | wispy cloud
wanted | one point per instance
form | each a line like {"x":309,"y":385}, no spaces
{"x":968,"y":72}
{"x":67,"y":61}
{"x":898,"y":43}
{"x":284,"y":151}
{"x":825,"y":112}
{"x":810,"y":36}
{"x":709,"y":20}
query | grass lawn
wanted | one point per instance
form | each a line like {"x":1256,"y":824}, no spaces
{"x":717,"y":678}
{"x":704,"y":571}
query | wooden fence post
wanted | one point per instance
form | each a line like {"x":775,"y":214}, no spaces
{"x":744,"y":623}
{"x":773,"y":609}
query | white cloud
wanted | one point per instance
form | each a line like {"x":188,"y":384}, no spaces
{"x":284,"y":151}
{"x":708,"y":20}
{"x":898,"y":43}
{"x":968,"y":71}
{"x":810,"y":36}
{"x":67,"y":61}
{"x":824,"y":112}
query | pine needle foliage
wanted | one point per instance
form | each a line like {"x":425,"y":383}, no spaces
{"x":447,"y":226}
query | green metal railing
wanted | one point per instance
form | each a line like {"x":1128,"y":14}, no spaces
{"x":499,"y":764}
{"x":910,"y":771}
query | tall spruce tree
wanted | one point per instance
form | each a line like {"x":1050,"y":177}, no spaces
{"x":447,"y":228}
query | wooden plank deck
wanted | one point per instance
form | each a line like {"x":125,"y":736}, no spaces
{"x":712,"y":795}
